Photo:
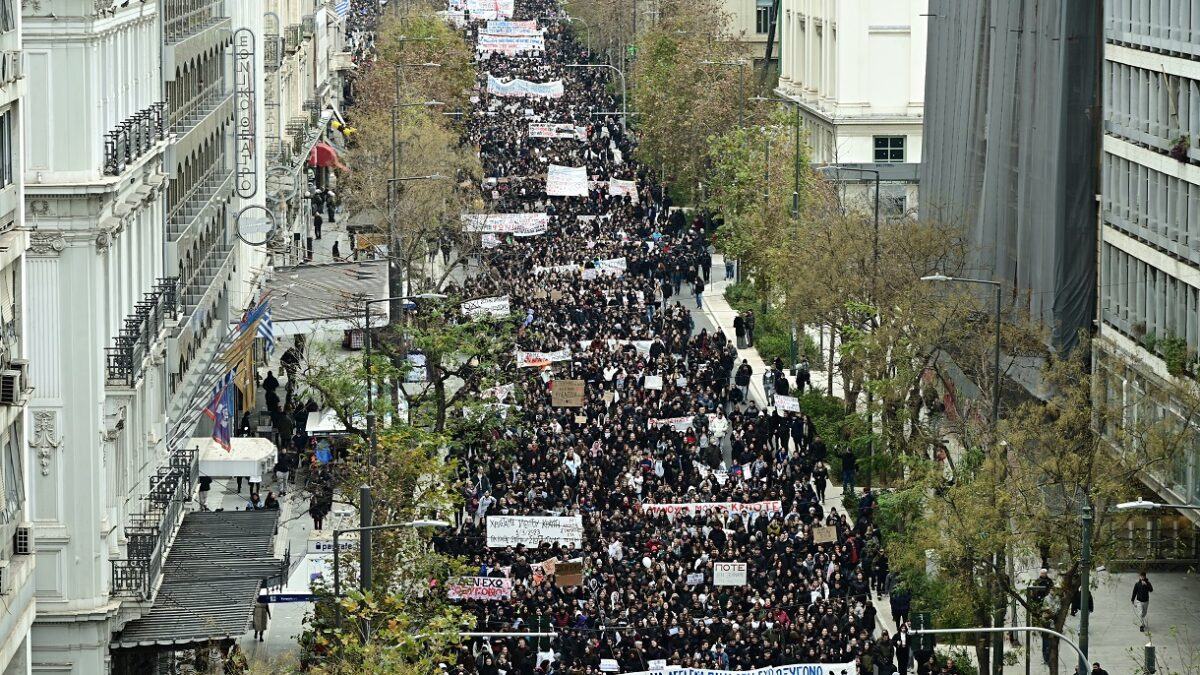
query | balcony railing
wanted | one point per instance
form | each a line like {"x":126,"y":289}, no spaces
{"x":291,"y":38}
{"x":137,"y":336}
{"x":186,"y":114}
{"x":197,"y":199}
{"x":184,"y":18}
{"x":150,"y":531}
{"x":273,"y":54}
{"x":133,"y":138}
{"x":212,"y":260}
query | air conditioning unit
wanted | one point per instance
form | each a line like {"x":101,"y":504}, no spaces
{"x":10,"y":387}
{"x":23,"y":539}
{"x":21,"y":366}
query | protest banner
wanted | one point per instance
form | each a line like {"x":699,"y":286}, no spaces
{"x":653,"y":382}
{"x":729,"y":574}
{"x":512,"y":28}
{"x":568,"y":574}
{"x":567,"y":394}
{"x":497,"y":307}
{"x":609,"y":666}
{"x":498,"y":392}
{"x":695,"y":578}
{"x":509,"y":44}
{"x":787,"y":403}
{"x":555,"y":269}
{"x":516,"y":224}
{"x":655,"y":665}
{"x":824,"y":535}
{"x":770,"y":507}
{"x":539,"y":359}
{"x":623,"y":188}
{"x":566,"y":181}
{"x":549,"y":130}
{"x":677,"y":423}
{"x":479,"y":588}
{"x":533,"y":531}
{"x":792,"y":669}
{"x":615,"y":266}
{"x":518,"y":87}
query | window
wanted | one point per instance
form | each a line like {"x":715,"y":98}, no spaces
{"x":6,"y":148}
{"x":762,"y":16}
{"x":889,"y":149}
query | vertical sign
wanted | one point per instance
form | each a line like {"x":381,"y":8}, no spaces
{"x":246,"y":177}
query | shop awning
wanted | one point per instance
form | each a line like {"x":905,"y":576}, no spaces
{"x":245,"y":457}
{"x":323,"y":155}
{"x":310,"y":297}
{"x":211,"y":579}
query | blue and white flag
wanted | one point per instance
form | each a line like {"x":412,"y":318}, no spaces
{"x":342,"y":8}
{"x":260,"y":317}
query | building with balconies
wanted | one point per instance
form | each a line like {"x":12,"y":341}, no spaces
{"x":133,"y":269}
{"x":16,"y":532}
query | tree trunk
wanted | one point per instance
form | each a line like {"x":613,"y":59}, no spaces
{"x":439,"y":393}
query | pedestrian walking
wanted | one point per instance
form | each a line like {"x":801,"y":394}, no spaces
{"x":751,"y":320}
{"x":768,"y":382}
{"x":317,"y":222}
{"x":803,"y":376}
{"x":698,"y":289}
{"x":1140,"y":598}
{"x":202,"y":495}
{"x":282,"y":472}
{"x":729,"y":263}
{"x":739,"y":330}
{"x":337,"y":252}
{"x":262,"y":615}
{"x":1097,"y":670}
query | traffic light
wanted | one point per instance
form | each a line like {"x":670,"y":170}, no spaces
{"x":923,"y":643}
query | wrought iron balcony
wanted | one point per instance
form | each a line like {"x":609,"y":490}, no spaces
{"x":150,"y":530}
{"x":184,"y":18}
{"x":133,"y":138}
{"x":133,"y":343}
{"x":291,"y":38}
{"x":186,"y":114}
{"x":273,"y":55}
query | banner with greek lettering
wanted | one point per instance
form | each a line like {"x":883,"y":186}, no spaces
{"x":512,"y":28}
{"x":553,"y":89}
{"x":643,"y":346}
{"x":484,"y":9}
{"x":497,"y":307}
{"x":479,"y":588}
{"x":532,"y":531}
{"x":616,"y":266}
{"x":566,"y":181}
{"x":787,"y":403}
{"x":793,"y":669}
{"x":772,"y":507}
{"x":509,"y":44}
{"x":729,"y":574}
{"x":623,"y":188}
{"x":516,"y":224}
{"x":556,"y":269}
{"x":559,"y":130}
{"x":677,"y":423}
{"x":539,"y":359}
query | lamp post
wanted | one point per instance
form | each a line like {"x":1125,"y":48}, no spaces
{"x":396,"y":281}
{"x":741,"y":64}
{"x":998,"y":642}
{"x":364,"y":491}
{"x":624,"y":97}
{"x":999,"y":632}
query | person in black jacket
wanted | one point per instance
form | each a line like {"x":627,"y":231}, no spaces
{"x":1141,"y":599}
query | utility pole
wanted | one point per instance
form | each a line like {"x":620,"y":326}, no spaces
{"x":1085,"y":570}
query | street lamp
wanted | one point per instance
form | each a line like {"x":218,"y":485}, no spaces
{"x":998,"y":642}
{"x":624,"y":98}
{"x":1143,"y":505}
{"x":740,"y":63}
{"x":796,"y":153}
{"x":364,"y":491}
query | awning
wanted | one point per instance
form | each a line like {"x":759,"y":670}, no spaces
{"x":245,"y":457}
{"x":324,"y":155}
{"x":312,"y":297}
{"x":211,"y":579}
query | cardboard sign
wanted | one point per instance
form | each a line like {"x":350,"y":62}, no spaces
{"x":654,"y":382}
{"x":729,"y":574}
{"x":580,"y":419}
{"x":566,"y":181}
{"x":787,"y":403}
{"x":567,"y":394}
{"x":609,"y":666}
{"x":608,"y":397}
{"x":824,"y":535}
{"x":695,"y":578}
{"x":479,"y":588}
{"x":568,"y":574}
{"x":656,"y":665}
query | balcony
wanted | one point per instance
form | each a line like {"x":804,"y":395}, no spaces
{"x":141,"y":330}
{"x":273,"y":53}
{"x":132,"y":139}
{"x":291,"y":38}
{"x":213,"y":262}
{"x":150,"y":531}
{"x":183,"y":19}
{"x":186,"y":115}
{"x":211,"y":189}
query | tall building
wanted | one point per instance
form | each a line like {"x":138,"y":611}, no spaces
{"x":856,"y":68}
{"x":751,"y":24}
{"x":16,"y":470}
{"x":1011,"y":128}
{"x":1149,"y":286}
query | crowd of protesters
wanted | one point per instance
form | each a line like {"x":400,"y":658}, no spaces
{"x":668,"y":418}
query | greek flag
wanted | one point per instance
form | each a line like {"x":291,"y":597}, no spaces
{"x":260,"y":317}
{"x":342,"y":8}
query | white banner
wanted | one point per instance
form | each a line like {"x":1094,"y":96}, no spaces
{"x":615,"y":266}
{"x":499,"y":392}
{"x":538,"y":359}
{"x":701,"y":508}
{"x":787,"y":403}
{"x":566,"y":181}
{"x":555,"y":269}
{"x":792,"y":669}
{"x":695,"y":578}
{"x":560,"y":130}
{"x":479,"y":588}
{"x":512,"y":28}
{"x":552,"y":89}
{"x":729,"y":574}
{"x":643,"y":346}
{"x":494,"y":306}
{"x":619,"y":188}
{"x":509,"y":44}
{"x":654,"y":382}
{"x":484,"y":9}
{"x":489,"y":240}
{"x":516,"y":224}
{"x":678,"y":423}
{"x":532,"y":531}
